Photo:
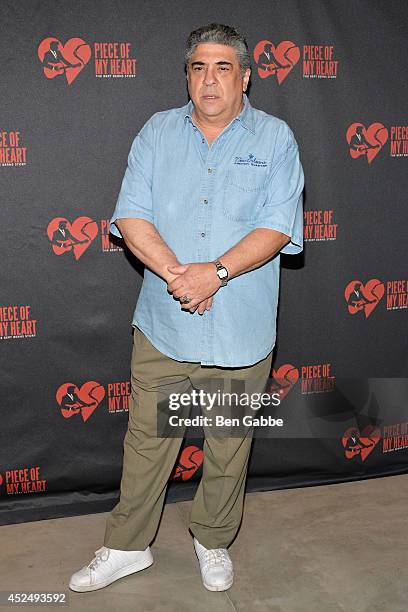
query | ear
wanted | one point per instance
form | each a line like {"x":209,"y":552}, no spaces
{"x":245,"y":79}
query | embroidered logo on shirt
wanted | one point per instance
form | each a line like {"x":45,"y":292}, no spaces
{"x":250,"y":160}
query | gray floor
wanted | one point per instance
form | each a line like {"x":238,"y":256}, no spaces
{"x":319,"y":549}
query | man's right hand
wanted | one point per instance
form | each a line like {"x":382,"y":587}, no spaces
{"x":202,"y":306}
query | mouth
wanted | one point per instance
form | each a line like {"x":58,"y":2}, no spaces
{"x":210,"y":97}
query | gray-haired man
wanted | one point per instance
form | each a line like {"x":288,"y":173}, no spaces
{"x":212,"y":194}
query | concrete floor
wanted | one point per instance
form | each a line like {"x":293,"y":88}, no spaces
{"x":331,"y":548}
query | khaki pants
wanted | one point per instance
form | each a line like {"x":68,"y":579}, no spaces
{"x":149,"y":460}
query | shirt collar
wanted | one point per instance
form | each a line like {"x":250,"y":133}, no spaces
{"x":245,"y":118}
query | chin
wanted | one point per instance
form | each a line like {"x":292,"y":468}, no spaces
{"x":211,"y":107}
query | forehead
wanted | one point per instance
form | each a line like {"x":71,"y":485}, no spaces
{"x":213,"y":52}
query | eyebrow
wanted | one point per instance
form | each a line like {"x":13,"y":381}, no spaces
{"x":220,"y":63}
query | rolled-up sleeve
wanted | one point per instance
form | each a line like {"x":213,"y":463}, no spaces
{"x":283,"y":207}
{"x":135,"y":197}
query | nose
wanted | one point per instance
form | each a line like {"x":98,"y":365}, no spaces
{"x":209,"y":76}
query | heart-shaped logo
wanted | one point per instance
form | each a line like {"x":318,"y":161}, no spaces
{"x":366,"y":141}
{"x":276,"y":60}
{"x":363,"y":297}
{"x":360,"y":443}
{"x":83,"y":401}
{"x":190,"y":460}
{"x":58,"y":59}
{"x":76,"y":237}
{"x":283,"y":380}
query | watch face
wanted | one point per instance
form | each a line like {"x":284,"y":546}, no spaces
{"x":222,"y":273}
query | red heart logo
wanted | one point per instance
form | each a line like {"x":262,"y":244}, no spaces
{"x":366,"y":141}
{"x":83,"y":401}
{"x":283,"y":380}
{"x":190,"y":460}
{"x":356,"y":443}
{"x":68,"y":59}
{"x":363,"y":297}
{"x":279,"y":60}
{"x":76,"y":237}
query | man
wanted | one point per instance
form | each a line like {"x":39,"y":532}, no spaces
{"x":359,"y":142}
{"x":55,"y":60}
{"x":72,"y":402}
{"x":354,"y":443}
{"x":211,"y":196}
{"x":63,"y":238}
{"x":357,"y":299}
{"x":268,"y":60}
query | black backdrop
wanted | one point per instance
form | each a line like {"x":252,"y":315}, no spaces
{"x":65,"y":310}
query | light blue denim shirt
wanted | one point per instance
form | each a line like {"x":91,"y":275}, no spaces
{"x":203,"y":200}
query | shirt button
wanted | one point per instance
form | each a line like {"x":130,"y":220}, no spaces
{"x":210,"y":171}
{"x":205,"y":201}
{"x":202,"y":140}
{"x":203,"y":234}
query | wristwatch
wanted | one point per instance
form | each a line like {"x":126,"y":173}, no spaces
{"x":222,"y":272}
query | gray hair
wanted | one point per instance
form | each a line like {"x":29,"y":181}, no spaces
{"x":222,"y":35}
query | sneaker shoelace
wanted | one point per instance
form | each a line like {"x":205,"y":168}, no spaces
{"x":102,"y":554}
{"x":217,"y":556}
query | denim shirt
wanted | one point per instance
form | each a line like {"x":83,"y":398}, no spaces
{"x":203,"y":200}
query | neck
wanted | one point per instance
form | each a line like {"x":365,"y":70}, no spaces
{"x":215,"y":124}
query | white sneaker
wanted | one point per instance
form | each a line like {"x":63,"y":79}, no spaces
{"x":216,"y":567}
{"x":109,"y":565}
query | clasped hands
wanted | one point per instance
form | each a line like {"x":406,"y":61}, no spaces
{"x":199,"y":281}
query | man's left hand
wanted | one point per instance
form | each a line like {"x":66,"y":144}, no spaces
{"x":198,"y":281}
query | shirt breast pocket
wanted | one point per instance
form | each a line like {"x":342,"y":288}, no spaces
{"x":244,"y":193}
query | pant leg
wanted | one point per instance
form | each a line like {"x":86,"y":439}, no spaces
{"x":218,"y":504}
{"x":148,"y":460}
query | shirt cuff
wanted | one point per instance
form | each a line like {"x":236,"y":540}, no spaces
{"x":293,"y":247}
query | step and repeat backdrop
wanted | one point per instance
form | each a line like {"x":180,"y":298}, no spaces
{"x":78,"y":81}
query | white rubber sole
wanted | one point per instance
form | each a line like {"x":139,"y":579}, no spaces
{"x":124,"y":571}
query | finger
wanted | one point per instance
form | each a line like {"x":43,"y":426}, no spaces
{"x":208,"y":303}
{"x":180,"y":293}
{"x":190,"y":305}
{"x":202,"y":307}
{"x":174,"y":285}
